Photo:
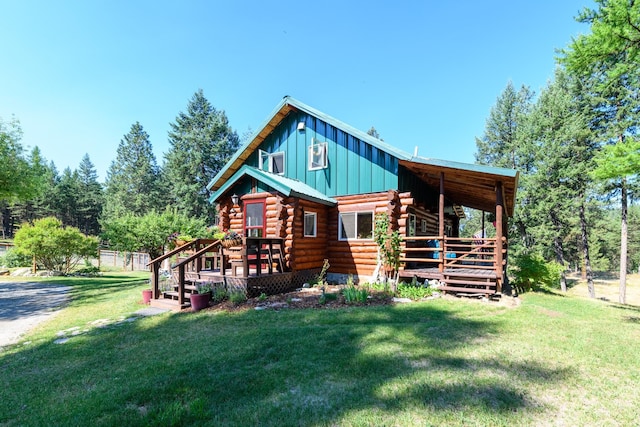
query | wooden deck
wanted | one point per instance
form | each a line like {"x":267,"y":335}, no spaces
{"x":253,"y":268}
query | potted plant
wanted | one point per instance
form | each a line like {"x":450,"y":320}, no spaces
{"x":231,"y":238}
{"x":202,"y":298}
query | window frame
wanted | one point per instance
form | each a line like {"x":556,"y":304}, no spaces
{"x":325,"y":158}
{"x":315,"y":224}
{"x":270,"y":159}
{"x":356,"y":215}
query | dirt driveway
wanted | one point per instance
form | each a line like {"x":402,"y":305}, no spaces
{"x":25,"y":304}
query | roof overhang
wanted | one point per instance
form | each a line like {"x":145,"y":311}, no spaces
{"x":469,"y":185}
{"x":286,"y":186}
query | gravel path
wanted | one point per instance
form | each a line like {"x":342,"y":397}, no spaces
{"x":25,"y":304}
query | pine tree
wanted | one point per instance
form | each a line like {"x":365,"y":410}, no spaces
{"x":133,"y":179}
{"x":505,"y":143}
{"x":606,"y":62}
{"x":201,"y":144}
{"x":90,"y":199}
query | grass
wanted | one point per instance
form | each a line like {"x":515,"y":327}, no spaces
{"x":553,"y":360}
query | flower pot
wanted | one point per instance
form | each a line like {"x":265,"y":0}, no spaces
{"x":200,"y":301}
{"x":146,"y":296}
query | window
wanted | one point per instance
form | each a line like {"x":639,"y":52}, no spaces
{"x":317,"y":155}
{"x":310,"y":223}
{"x":273,"y":162}
{"x":411,"y":230}
{"x":254,"y":214}
{"x":423,"y":225}
{"x":355,"y":225}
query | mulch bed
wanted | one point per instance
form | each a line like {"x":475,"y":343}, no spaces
{"x":302,"y":298}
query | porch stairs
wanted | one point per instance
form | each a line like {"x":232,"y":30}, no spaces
{"x":470,"y":282}
{"x":169,"y":299}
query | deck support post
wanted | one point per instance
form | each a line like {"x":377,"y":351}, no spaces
{"x":499,"y":235}
{"x":155,"y":280}
{"x":441,"y":223}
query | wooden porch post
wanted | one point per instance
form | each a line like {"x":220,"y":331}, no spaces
{"x":441,"y":223}
{"x":155,"y":280}
{"x":499,"y":235}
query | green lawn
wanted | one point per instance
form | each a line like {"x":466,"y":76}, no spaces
{"x":553,"y":360}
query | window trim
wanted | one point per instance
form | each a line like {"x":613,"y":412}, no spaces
{"x":270,"y":159}
{"x":355,"y":214}
{"x":325,"y":161}
{"x":315,"y":224}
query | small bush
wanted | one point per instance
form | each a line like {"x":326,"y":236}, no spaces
{"x":413,"y":291}
{"x":531,"y":271}
{"x":324,"y":298}
{"x":384,"y":287}
{"x":237,"y":297}
{"x":13,"y":258}
{"x":262,"y":297}
{"x":219,"y":294}
{"x":353,"y":295}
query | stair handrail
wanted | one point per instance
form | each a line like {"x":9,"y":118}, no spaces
{"x":180,"y":266}
{"x":155,"y":270}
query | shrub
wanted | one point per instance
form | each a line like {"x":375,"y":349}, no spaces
{"x":13,"y":258}
{"x":325,"y":297}
{"x":353,"y":295}
{"x":413,"y":291}
{"x":531,"y":271}
{"x":237,"y":297}
{"x":53,"y":245}
{"x":219,"y":294}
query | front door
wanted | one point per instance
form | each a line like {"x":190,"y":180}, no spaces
{"x":254,"y":219}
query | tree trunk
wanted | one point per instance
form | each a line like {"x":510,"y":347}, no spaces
{"x":622,"y":298}
{"x":585,"y":250}
{"x":558,"y":249}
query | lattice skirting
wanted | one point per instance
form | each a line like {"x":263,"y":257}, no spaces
{"x":269,"y":284}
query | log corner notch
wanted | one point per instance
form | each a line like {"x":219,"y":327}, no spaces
{"x":393,"y":209}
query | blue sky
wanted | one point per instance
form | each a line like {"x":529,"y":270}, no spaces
{"x":78,"y":74}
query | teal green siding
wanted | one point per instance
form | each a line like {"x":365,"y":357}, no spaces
{"x":354,"y":166}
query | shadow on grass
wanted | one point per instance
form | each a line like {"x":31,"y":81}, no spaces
{"x":290,"y":367}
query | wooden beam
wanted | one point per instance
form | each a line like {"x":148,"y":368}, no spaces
{"x":499,"y":234}
{"x":441,"y":222}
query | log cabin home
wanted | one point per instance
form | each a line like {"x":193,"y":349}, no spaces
{"x":306,"y":187}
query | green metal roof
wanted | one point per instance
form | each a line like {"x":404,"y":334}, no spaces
{"x":284,"y":185}
{"x":511,"y":173}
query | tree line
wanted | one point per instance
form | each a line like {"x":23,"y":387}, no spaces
{"x":577,"y":149}
{"x":201,"y":141}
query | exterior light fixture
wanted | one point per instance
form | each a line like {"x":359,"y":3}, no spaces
{"x":235,"y":199}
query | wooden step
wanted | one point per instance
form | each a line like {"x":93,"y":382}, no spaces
{"x":469,"y":282}
{"x":168,"y":304}
{"x":466,"y":274}
{"x":467,"y":290}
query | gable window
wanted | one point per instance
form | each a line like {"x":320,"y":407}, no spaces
{"x":310,"y":224}
{"x":271,"y":162}
{"x":317,"y":155}
{"x":355,"y":225}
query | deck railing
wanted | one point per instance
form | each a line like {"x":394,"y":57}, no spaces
{"x":449,"y":252}
{"x":259,"y":255}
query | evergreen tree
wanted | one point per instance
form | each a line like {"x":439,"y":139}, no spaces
{"x":606,"y":62}
{"x":506,"y":143}
{"x":201,"y":144}
{"x":557,"y":184}
{"x":90,"y":198}
{"x":66,"y":194}
{"x":133,"y":179}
